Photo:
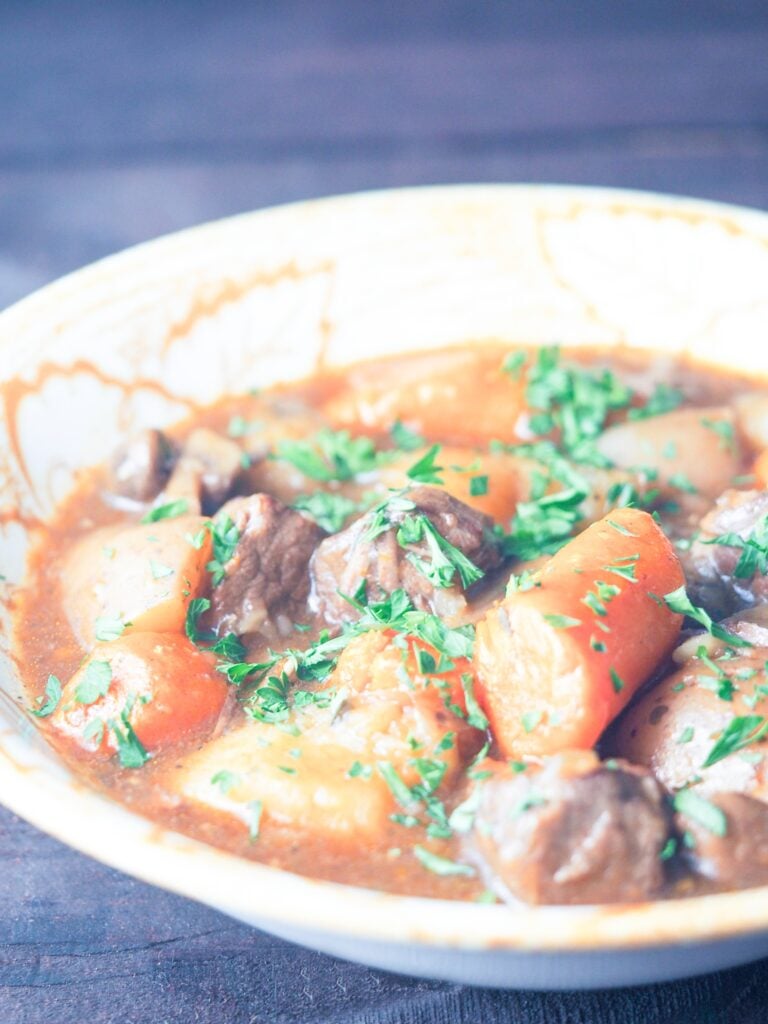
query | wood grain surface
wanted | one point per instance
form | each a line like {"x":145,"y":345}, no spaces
{"x":123,"y":120}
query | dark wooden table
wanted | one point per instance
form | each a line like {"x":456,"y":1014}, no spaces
{"x":120,"y":121}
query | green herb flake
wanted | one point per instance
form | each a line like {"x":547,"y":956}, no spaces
{"x":160,"y":571}
{"x":441,"y":865}
{"x":425,"y":471}
{"x":475,"y":714}
{"x":686,"y":735}
{"x":357,"y":770}
{"x":94,"y":683}
{"x":130,"y":750}
{"x":197,"y":607}
{"x":562,"y":621}
{"x":741,"y":731}
{"x":513,"y":364}
{"x":329,"y":511}
{"x":255,"y":809}
{"x":702,"y":811}
{"x":724,"y":430}
{"x":108,"y":629}
{"x":225,"y":781}
{"x":669,"y":850}
{"x":478,"y":485}
{"x":616,"y":680}
{"x":530,"y":720}
{"x":404,"y":439}
{"x":51,"y":699}
{"x":169,"y":510}
{"x":679,"y":602}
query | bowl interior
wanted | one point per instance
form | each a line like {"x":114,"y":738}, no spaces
{"x":145,"y":337}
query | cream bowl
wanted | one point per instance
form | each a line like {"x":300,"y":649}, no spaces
{"x":144,"y":337}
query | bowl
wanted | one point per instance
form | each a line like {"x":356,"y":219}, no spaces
{"x":146,"y":336}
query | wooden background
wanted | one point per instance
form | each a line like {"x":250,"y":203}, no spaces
{"x":120,"y":121}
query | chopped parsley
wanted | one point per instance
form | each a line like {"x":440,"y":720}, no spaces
{"x":255,"y":809}
{"x":197,"y":607}
{"x":52,"y":698}
{"x":160,"y":571}
{"x":441,"y":865}
{"x":475,"y":714}
{"x":404,"y":439}
{"x":754,"y":549}
{"x":329,"y":511}
{"x":478,"y":485}
{"x":225,"y":781}
{"x":425,"y":471}
{"x":700,"y":810}
{"x":330,"y":455}
{"x":530,"y":720}
{"x":741,"y":731}
{"x":724,"y":430}
{"x":225,"y":537}
{"x":108,"y":629}
{"x":94,"y":683}
{"x":169,"y":510}
{"x":663,"y":399}
{"x":679,"y":602}
{"x":562,"y":621}
{"x":130,"y":750}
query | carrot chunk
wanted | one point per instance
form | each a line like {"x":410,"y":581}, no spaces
{"x":556,"y":663}
{"x":154,"y":688}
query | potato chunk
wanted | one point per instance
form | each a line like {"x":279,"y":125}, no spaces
{"x":333,"y":778}
{"x":142,"y":577}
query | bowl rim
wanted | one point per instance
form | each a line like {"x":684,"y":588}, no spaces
{"x":70,"y":811}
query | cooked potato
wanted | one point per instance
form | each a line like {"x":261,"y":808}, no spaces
{"x":326,"y":777}
{"x":140,"y":577}
{"x":684,"y":447}
{"x":674,"y":728}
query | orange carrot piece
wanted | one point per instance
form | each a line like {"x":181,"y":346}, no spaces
{"x":556,"y":663}
{"x":165,"y":687}
{"x":760,"y":470}
{"x":460,"y":396}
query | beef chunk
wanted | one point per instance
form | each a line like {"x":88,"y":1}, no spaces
{"x":739,"y":858}
{"x":206,"y":470}
{"x":710,"y":567}
{"x":266,"y":581}
{"x":141,"y":466}
{"x":369,"y":550}
{"x":572,"y":831}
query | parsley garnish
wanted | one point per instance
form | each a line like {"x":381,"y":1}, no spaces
{"x":130,"y":750}
{"x":404,"y":439}
{"x":441,"y":865}
{"x":169,"y":510}
{"x":331,"y":455}
{"x":664,"y":399}
{"x":94,"y":682}
{"x":741,"y":731}
{"x":108,"y":629}
{"x":225,"y":781}
{"x":197,"y":606}
{"x":754,"y":549}
{"x":424,"y":471}
{"x":52,"y":698}
{"x":707,"y":814}
{"x":562,"y":621}
{"x":330,"y":511}
{"x":478,"y":485}
{"x":678,"y":601}
{"x":225,"y":536}
{"x":475,"y":714}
